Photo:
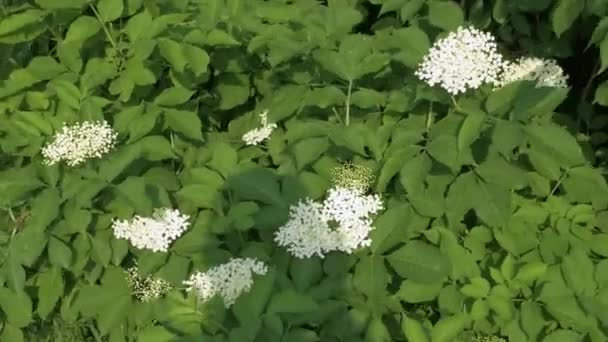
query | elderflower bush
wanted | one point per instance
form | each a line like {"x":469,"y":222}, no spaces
{"x":298,"y":171}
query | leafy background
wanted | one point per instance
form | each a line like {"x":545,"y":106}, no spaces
{"x":496,"y":221}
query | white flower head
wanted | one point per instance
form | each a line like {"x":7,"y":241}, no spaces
{"x":146,"y":289}
{"x":154,"y":233}
{"x":227,"y":280}
{"x":76,"y":143}
{"x":546,"y":72}
{"x":340,"y":223}
{"x":465,"y":59}
{"x":257,"y":135}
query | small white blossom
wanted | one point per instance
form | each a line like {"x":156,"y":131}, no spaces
{"x":154,"y":233}
{"x":340,"y":223}
{"x":351,"y":209}
{"x":77,"y":143}
{"x":257,"y":135}
{"x":227,"y":280}
{"x":307,"y":232}
{"x":545,"y":72}
{"x":146,"y":289}
{"x":465,"y":59}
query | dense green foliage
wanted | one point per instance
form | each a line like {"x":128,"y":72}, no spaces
{"x":496,"y":208}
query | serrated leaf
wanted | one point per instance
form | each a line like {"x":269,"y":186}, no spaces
{"x":186,"y":122}
{"x":564,"y":15}
{"x":17,"y":307}
{"x":445,"y":14}
{"x":50,"y":289}
{"x":290,"y":301}
{"x":420,"y":262}
{"x":110,"y":10}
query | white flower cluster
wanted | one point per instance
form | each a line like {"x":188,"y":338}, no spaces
{"x":341,"y":223}
{"x":465,"y":59}
{"x":257,"y":135}
{"x":154,"y":233}
{"x":146,"y":289}
{"x":77,"y":143}
{"x":545,"y":72}
{"x":227,"y":280}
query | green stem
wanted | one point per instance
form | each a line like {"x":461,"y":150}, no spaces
{"x":454,"y":102}
{"x":559,"y":182}
{"x":429,"y":117}
{"x":348,"y":95}
{"x":103,"y":25}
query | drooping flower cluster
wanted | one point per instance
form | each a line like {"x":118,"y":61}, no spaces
{"x":257,"y":135}
{"x":154,"y":233}
{"x":79,"y":142}
{"x":340,"y":223}
{"x":227,"y":280}
{"x":465,"y":59}
{"x":545,"y":72}
{"x":146,"y":289}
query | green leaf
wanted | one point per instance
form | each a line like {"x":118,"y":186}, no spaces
{"x":224,"y":159}
{"x":17,"y":307}
{"x":110,"y":10}
{"x":492,"y":204}
{"x":584,"y":184}
{"x":138,"y":26}
{"x":578,"y":271}
{"x":444,"y":148}
{"x":601,"y":93}
{"x":305,"y":272}
{"x":477,"y":288}
{"x":532,"y":319}
{"x":470,"y":130}
{"x":413,"y":330}
{"x":418,"y":45}
{"x":155,"y":148}
{"x":16,"y":184}
{"x":61,"y":4}
{"x":60,"y":253}
{"x":448,"y":328}
{"x":11,"y":333}
{"x":530,"y":272}
{"x":371,"y":277}
{"x":377,"y":331}
{"x":233,"y":89}
{"x":257,"y":184}
{"x":563,"y":335}
{"x":186,"y":122}
{"x":50,"y":289}
{"x":290,"y":301}
{"x":82,"y":29}
{"x":367,"y":98}
{"x":200,"y":196}
{"x":446,"y":15}
{"x":22,"y":26}
{"x":420,"y":262}
{"x":68,"y":93}
{"x":413,"y":292}
{"x":173,"y":96}
{"x":557,"y":142}
{"x":252,"y":303}
{"x":308,"y":150}
{"x":564,"y":15}
{"x":172,"y":51}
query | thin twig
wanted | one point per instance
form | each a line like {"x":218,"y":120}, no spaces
{"x":103,"y":25}
{"x":350,"y":89}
